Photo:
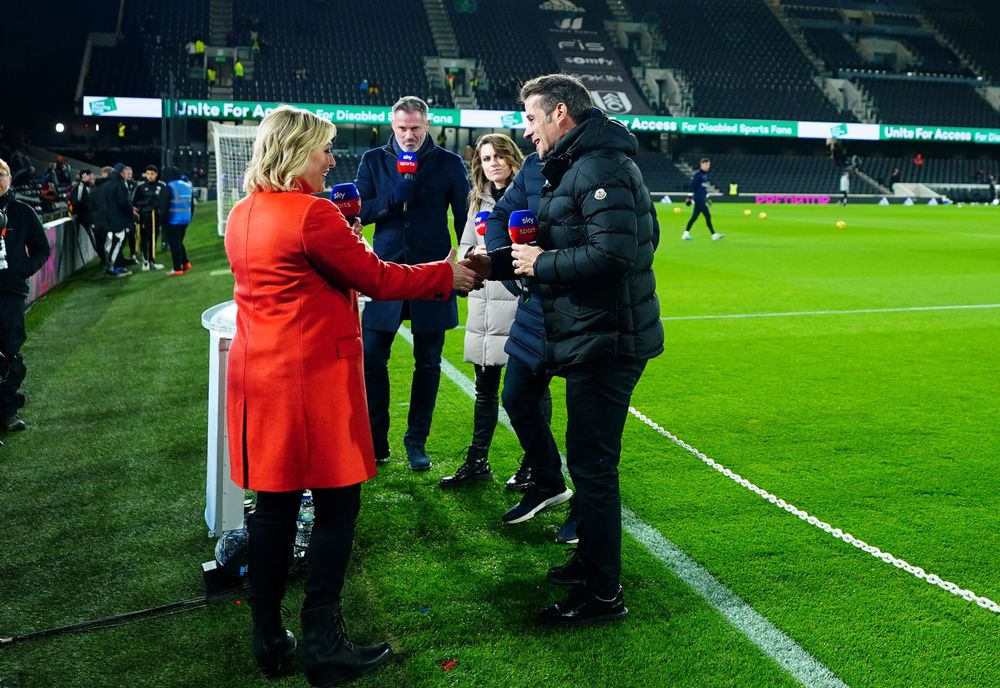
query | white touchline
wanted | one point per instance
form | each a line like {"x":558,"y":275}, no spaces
{"x":805,"y":668}
{"x":740,"y":316}
{"x":888,"y":558}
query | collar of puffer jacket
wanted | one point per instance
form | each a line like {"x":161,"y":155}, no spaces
{"x":597,"y":132}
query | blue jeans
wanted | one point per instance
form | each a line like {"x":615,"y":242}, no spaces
{"x":427,"y":348}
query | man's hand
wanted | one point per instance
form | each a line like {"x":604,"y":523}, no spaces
{"x":480,"y":263}
{"x":464,"y":280}
{"x":356,"y":228}
{"x":524,"y":256}
{"x":403,"y":192}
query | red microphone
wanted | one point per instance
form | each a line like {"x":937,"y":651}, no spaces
{"x":523,"y":229}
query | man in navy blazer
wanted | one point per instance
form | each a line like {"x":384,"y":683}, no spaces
{"x":410,"y":212}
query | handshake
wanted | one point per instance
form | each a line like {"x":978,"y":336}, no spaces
{"x":468,"y":274}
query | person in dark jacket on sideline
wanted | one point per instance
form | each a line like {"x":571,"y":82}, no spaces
{"x":99,"y":215}
{"x":151,"y":201}
{"x":119,"y":217}
{"x":593,"y":265}
{"x":410,"y":212}
{"x":83,"y":207}
{"x":24,"y":249}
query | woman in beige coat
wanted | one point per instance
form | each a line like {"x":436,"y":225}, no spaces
{"x":491,"y":309}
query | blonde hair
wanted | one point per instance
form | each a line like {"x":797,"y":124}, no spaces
{"x":503,"y":146}
{"x":281,"y":150}
{"x":4,"y":166}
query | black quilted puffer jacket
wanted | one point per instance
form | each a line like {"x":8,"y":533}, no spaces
{"x":595,"y":223}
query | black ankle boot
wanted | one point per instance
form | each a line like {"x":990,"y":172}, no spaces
{"x":271,"y":643}
{"x":328,"y":655}
{"x":476,"y":467}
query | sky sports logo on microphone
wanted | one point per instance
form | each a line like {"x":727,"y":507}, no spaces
{"x":480,"y":222}
{"x":522,"y":226}
{"x":406,"y":163}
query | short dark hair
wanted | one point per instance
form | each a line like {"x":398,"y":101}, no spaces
{"x":704,"y":160}
{"x":560,"y":88}
{"x":152,"y":168}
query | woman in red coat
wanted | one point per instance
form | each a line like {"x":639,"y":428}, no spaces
{"x":297,"y":414}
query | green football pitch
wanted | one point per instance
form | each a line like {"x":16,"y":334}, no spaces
{"x":852,"y":373}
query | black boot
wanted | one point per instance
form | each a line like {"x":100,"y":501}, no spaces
{"x":328,"y":655}
{"x":476,"y":467}
{"x":271,"y":643}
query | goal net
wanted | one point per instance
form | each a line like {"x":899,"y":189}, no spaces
{"x":233,"y":145}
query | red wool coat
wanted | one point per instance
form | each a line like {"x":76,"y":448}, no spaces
{"x":297,"y":414}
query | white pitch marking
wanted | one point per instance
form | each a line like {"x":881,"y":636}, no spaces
{"x":740,"y":316}
{"x":806,"y":669}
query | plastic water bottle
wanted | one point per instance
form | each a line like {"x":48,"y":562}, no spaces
{"x":307,"y":512}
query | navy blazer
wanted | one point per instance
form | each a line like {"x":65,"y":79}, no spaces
{"x":416,"y":235}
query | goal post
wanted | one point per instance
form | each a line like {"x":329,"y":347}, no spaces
{"x":233,"y":145}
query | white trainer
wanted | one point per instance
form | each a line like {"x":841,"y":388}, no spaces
{"x":686,"y":236}
{"x":717,"y":236}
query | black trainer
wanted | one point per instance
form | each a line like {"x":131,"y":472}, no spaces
{"x":14,"y":424}
{"x":567,"y":531}
{"x":476,"y":467}
{"x":521,"y":480}
{"x":572,"y":573}
{"x":533,"y":502}
{"x":583,"y":607}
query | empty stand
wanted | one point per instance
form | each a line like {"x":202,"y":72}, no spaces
{"x":739,"y":60}
{"x":972,"y":25}
{"x":802,"y":174}
{"x":382,"y":41}
{"x":929,"y":102}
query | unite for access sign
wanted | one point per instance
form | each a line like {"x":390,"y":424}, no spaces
{"x":338,"y":114}
{"x":102,"y":106}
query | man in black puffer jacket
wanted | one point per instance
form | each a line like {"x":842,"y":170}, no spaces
{"x":593,"y":265}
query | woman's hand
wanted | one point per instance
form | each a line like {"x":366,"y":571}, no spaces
{"x":463,"y":279}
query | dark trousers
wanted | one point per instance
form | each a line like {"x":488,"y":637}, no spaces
{"x":528,"y":403}
{"x":427,"y":348}
{"x":597,"y":400}
{"x":149,"y":227}
{"x":487,"y":407}
{"x":96,"y":238}
{"x":701,"y":208}
{"x":272,"y":538}
{"x":12,"y":336}
{"x":114,"y":247}
{"x":175,"y":240}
